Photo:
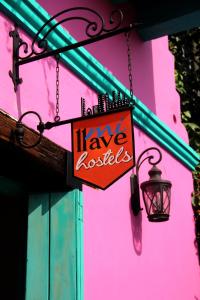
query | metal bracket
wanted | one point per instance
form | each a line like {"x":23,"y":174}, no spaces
{"x":134,"y":179}
{"x":95,"y":30}
{"x":17,"y":42}
{"x":105,"y":105}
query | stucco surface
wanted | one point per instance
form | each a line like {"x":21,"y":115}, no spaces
{"x":125,"y":257}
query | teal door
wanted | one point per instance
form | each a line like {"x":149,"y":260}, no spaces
{"x":54,"y":247}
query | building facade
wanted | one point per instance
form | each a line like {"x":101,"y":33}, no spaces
{"x":71,"y":241}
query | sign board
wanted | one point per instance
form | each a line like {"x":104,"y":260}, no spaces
{"x":102,"y":147}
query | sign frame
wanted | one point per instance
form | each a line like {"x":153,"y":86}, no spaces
{"x":94,"y":116}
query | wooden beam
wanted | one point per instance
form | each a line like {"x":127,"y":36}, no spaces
{"x":40,"y":168}
{"x":46,"y":152}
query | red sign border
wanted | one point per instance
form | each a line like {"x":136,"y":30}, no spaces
{"x":96,"y":116}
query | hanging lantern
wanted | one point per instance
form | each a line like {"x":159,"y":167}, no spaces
{"x":156,"y":191}
{"x":156,"y":195}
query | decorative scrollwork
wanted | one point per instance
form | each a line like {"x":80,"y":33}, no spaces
{"x":95,"y":30}
{"x":19,"y":131}
{"x":95,"y":27}
{"x":23,"y":45}
{"x":116,"y":19}
{"x":151,"y":159}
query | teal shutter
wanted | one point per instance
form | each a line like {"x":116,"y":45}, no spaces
{"x":54,"y":250}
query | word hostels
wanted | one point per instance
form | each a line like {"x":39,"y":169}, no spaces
{"x":107,"y":158}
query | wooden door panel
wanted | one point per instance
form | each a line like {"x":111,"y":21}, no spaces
{"x":37,"y":274}
{"x":54,"y":252}
{"x":63,"y":246}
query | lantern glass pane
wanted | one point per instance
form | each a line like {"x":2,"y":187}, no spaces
{"x":157,"y":200}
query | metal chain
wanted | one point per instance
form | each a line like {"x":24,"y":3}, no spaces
{"x":57,"y":117}
{"x":132,"y":101}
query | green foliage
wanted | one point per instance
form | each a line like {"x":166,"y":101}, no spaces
{"x":186,"y":48}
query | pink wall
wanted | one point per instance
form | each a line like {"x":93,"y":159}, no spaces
{"x":124,"y":257}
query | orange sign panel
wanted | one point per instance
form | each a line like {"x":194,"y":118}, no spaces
{"x":103,"y":147}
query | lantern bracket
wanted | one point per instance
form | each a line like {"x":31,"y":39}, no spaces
{"x":95,"y":30}
{"x":135,"y":193}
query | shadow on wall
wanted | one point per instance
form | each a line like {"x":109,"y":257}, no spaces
{"x":50,"y":64}
{"x":136,"y":226}
{"x":8,"y":28}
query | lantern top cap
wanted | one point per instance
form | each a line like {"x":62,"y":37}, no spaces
{"x":155,"y":178}
{"x":155,"y":173}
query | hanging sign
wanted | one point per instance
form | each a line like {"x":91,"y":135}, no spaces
{"x":103,"y":147}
